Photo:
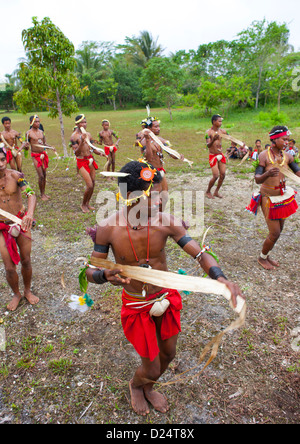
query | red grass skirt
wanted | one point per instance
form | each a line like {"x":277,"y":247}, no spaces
{"x":280,"y":207}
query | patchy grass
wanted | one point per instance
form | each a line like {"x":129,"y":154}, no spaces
{"x":63,"y":367}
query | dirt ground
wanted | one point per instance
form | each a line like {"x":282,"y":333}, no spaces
{"x":61,"y":366}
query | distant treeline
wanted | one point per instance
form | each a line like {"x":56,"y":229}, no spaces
{"x":258,"y":68}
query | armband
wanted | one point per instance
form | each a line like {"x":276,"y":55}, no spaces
{"x":259,"y":170}
{"x":101,"y":248}
{"x":215,"y":273}
{"x":184,"y":240}
{"x":22,"y":182}
{"x":294,"y":167}
{"x":99,"y":277}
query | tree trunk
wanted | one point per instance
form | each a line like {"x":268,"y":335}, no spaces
{"x":279,"y":100}
{"x":60,"y":115}
{"x":258,"y":87}
{"x":62,"y":130}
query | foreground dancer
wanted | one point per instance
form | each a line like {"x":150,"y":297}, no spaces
{"x":106,"y":137}
{"x":276,"y":200}
{"x":10,"y":138}
{"x":217,"y":160}
{"x":86,"y":164}
{"x":12,"y":237}
{"x":137,"y":235}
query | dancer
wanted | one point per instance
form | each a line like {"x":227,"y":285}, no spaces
{"x":85,"y":161}
{"x":35,"y":138}
{"x":10,"y":139}
{"x":276,"y":200}
{"x":154,"y":154}
{"x":12,"y":236}
{"x":137,"y":235}
{"x":106,"y":137}
{"x":217,"y":160}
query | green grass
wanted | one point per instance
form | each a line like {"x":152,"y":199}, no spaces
{"x":62,"y":215}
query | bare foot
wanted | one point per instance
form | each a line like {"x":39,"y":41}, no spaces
{"x":216,"y":194}
{"x":84,"y":208}
{"x":91,"y":208}
{"x":14,"y":303}
{"x":265,"y":264}
{"x":33,"y":300}
{"x":274,"y":263}
{"x":44,"y":197}
{"x":209,"y":195}
{"x":138,"y":401}
{"x":158,"y":400}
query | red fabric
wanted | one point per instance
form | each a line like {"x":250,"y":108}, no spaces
{"x":10,"y":241}
{"x":41,"y":162}
{"x":140,"y":329}
{"x":107,"y":150}
{"x":213,"y":159}
{"x":161,"y":169}
{"x":284,"y":209}
{"x":9,"y":156}
{"x":84,"y":163}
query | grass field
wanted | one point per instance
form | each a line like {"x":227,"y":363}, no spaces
{"x":63,"y":367}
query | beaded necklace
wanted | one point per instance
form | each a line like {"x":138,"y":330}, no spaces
{"x":271,"y":160}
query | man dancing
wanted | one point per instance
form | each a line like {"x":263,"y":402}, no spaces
{"x":137,"y":235}
{"x":35,"y":138}
{"x":106,"y":137}
{"x":217,"y":160}
{"x":276,"y":200}
{"x":12,"y":236}
{"x":10,"y":139}
{"x":85,"y":161}
{"x":153,"y":152}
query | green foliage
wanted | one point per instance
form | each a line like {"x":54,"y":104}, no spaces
{"x":272,"y":118}
{"x":160,"y":82}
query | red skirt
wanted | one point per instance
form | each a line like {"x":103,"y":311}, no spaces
{"x":9,"y":156}
{"x":44,"y":163}
{"x":10,"y":241}
{"x":85,"y":163}
{"x":284,"y":208}
{"x":140,"y":329}
{"x":108,"y":151}
{"x":213,"y":159}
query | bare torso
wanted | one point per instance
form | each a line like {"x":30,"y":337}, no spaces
{"x":10,"y":193}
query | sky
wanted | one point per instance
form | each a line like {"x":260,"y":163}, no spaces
{"x":177,"y":24}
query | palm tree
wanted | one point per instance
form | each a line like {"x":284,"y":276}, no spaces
{"x":142,"y":48}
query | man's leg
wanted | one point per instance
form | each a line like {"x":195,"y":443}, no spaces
{"x":275,"y":227}
{"x":26,"y":268}
{"x":215,"y":173}
{"x":88,"y":190}
{"x":11,"y":275}
{"x":222,"y":172}
{"x":41,"y":180}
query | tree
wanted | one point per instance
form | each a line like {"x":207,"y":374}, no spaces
{"x":47,"y":77}
{"x":257,"y":46}
{"x":141,"y":49}
{"x":160,"y":82}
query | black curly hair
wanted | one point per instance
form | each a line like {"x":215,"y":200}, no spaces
{"x":134,"y":181}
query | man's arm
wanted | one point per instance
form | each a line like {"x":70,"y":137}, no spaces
{"x":101,"y":248}
{"x":261,"y":175}
{"x":206,"y":261}
{"x":31,"y":203}
{"x":294,"y":166}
